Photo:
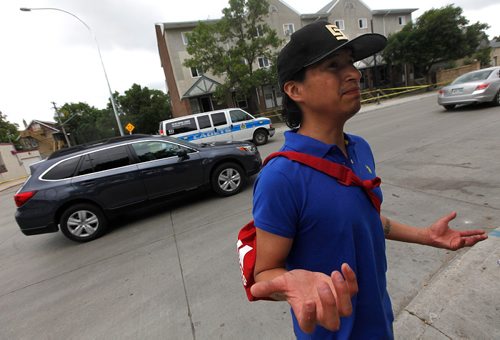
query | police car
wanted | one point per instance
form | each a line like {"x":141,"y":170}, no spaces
{"x":233,"y":124}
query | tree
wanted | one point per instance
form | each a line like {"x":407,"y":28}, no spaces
{"x":85,"y":123}
{"x":8,"y":130}
{"x":231,"y":47}
{"x":144,"y":108}
{"x":438,"y":35}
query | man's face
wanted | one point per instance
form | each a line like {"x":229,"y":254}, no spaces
{"x":331,"y":87}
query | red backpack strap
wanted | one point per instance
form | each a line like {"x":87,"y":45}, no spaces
{"x":341,"y":173}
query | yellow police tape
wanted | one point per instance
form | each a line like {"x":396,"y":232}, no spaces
{"x":381,"y":93}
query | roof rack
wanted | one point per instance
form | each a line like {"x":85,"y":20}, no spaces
{"x":112,"y":140}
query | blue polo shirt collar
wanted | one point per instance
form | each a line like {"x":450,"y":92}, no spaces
{"x":311,"y":146}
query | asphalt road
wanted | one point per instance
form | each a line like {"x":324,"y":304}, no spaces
{"x":172,"y":272}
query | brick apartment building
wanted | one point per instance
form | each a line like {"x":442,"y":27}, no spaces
{"x":191,"y":92}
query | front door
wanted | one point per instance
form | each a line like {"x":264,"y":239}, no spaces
{"x":206,"y":104}
{"x":163,"y":171}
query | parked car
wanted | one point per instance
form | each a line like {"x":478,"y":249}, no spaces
{"x":473,"y":87}
{"x":78,"y":189}
{"x":232,"y":124}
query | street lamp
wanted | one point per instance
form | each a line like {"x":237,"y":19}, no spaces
{"x":113,"y":103}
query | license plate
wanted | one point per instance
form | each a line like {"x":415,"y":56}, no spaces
{"x":457,"y":91}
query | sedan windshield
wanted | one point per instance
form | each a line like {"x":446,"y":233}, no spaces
{"x":473,"y":76}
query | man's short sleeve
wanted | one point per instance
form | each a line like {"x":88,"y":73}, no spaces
{"x":275,"y":207}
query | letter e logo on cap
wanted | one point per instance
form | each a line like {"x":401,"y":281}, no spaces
{"x":336,"y":32}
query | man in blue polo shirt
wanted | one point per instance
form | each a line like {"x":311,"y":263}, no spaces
{"x":321,"y":244}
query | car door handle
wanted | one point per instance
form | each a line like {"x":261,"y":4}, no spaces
{"x":150,"y":172}
{"x":87,"y":183}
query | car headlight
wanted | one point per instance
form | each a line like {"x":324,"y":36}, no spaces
{"x":248,"y":148}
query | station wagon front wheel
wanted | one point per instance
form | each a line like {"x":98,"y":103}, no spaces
{"x":228,"y":179}
{"x":83,"y":222}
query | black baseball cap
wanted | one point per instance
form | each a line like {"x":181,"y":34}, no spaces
{"x":316,"y":41}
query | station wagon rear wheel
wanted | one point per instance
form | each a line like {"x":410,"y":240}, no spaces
{"x":228,"y":179}
{"x":83,"y":222}
{"x":449,"y":107}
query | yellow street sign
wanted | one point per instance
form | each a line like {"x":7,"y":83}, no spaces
{"x":130,"y":127}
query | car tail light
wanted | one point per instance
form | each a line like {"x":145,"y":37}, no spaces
{"x":161,"y":132}
{"x":481,"y":87}
{"x":440,"y":92}
{"x":23,"y":197}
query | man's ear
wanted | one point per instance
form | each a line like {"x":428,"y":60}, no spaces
{"x":293,"y":90}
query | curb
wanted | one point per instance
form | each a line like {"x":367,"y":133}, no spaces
{"x":12,"y":183}
{"x":460,"y":302}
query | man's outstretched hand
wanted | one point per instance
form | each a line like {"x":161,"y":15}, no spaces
{"x":442,"y":236}
{"x":315,"y":297}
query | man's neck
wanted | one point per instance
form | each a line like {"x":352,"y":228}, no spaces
{"x":329,"y":133}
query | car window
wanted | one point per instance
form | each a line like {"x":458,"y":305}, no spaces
{"x":473,"y":76}
{"x":109,"y":158}
{"x":153,"y":150}
{"x":85,"y":167}
{"x":180,"y":126}
{"x":239,"y":116}
{"x":65,"y":169}
{"x":219,"y":118}
{"x":204,"y":122}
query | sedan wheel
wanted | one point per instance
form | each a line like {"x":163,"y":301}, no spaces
{"x":496,"y":100}
{"x":83,"y":222}
{"x":449,"y":107}
{"x":228,"y":179}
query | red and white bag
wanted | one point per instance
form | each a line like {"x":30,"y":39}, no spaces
{"x":246,"y":245}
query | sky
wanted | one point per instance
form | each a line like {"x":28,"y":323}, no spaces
{"x":49,"y":56}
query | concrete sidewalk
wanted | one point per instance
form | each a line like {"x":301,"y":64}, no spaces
{"x":12,"y":183}
{"x":461,"y":302}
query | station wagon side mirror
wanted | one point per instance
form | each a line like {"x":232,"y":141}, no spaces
{"x":182,"y":154}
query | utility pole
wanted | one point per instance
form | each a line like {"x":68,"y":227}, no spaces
{"x":62,"y":125}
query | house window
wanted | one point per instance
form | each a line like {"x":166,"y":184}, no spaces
{"x":263,"y":62}
{"x":273,"y":9}
{"x":340,"y":24}
{"x":259,"y":32}
{"x":401,"y":21}
{"x":241,"y":101}
{"x":195,"y":73}
{"x":288,"y":29}
{"x":363,"y":23}
{"x":185,"y":39}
